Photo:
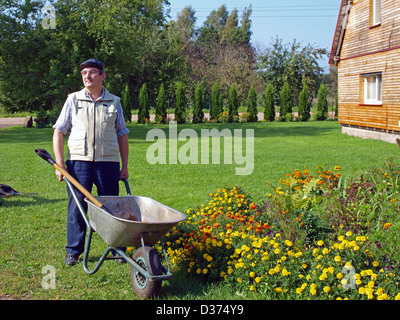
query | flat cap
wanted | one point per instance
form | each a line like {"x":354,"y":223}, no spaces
{"x":92,"y":63}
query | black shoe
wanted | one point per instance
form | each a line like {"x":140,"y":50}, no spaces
{"x":71,"y":259}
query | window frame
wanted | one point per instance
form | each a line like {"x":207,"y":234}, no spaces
{"x":377,"y":100}
{"x":376,"y":12}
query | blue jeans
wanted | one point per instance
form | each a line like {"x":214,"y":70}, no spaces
{"x":105,"y":175}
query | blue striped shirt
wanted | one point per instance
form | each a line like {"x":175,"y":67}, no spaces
{"x":64,"y":121}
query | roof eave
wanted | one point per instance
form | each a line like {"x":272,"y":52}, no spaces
{"x":341,"y":26}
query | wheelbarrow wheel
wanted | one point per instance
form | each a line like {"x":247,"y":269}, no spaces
{"x":144,"y":287}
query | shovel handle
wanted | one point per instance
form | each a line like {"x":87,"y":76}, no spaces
{"x":46,"y":156}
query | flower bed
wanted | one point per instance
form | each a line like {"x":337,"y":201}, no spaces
{"x":288,"y":247}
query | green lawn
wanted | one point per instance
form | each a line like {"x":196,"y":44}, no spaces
{"x":33,"y":227}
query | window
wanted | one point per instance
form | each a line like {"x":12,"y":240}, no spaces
{"x":376,"y":12}
{"x":372,"y":88}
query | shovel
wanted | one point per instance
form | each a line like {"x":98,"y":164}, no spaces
{"x":46,"y":156}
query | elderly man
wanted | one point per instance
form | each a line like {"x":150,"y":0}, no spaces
{"x":98,"y":139}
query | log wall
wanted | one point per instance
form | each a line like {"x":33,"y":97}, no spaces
{"x":371,"y":49}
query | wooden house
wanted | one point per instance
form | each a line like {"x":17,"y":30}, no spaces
{"x":366,"y":52}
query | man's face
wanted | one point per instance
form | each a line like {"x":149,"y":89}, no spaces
{"x":91,"y":78}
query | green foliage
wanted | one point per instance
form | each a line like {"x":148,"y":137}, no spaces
{"x":293,"y":64}
{"x":269,"y":105}
{"x":216,"y":101}
{"x":233,"y":104}
{"x":39,"y":67}
{"x":252,"y":105}
{"x":198,"y":113}
{"x":180,"y":104}
{"x":144,"y":114}
{"x":126,"y":104}
{"x":161,"y":110}
{"x":304,"y":104}
{"x":322,"y":105}
{"x":286,"y":102}
{"x":41,"y":119}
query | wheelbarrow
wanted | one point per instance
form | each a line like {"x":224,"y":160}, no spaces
{"x":127,"y":221}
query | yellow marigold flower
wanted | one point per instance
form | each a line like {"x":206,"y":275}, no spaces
{"x":387,"y":225}
{"x":320,"y":243}
{"x":349,"y":233}
{"x":252,"y":274}
{"x":288,"y":243}
{"x":278,"y":289}
{"x":338,"y":259}
{"x":327,"y":289}
{"x":257,"y":279}
{"x":198,"y":271}
{"x":205,"y":271}
{"x":252,"y":288}
{"x":339,"y":275}
{"x":271,"y":271}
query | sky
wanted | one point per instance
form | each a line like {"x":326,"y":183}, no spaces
{"x":308,"y":21}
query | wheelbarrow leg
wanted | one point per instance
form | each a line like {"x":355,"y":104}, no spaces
{"x":86,"y":255}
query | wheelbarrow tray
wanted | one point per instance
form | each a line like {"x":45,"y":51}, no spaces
{"x":132,"y":217}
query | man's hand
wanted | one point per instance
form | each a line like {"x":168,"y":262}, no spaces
{"x":124,"y":174}
{"x":59,"y":174}
{"x":58,"y":147}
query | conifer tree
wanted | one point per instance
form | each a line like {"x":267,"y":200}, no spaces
{"x":198,"y":113}
{"x":216,"y":102}
{"x":269,"y":106}
{"x":233,"y":104}
{"x":252,"y":105}
{"x":304,"y":104}
{"x":180,"y":104}
{"x":144,"y":114}
{"x":286,"y":102}
{"x":126,"y":104}
{"x":161,"y":111}
{"x":322,"y":105}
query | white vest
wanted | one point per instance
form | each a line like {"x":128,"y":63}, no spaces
{"x":93,"y":136}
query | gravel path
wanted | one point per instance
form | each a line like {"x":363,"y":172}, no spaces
{"x":10,"y":122}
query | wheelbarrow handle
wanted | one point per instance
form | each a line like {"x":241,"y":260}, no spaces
{"x":128,"y":189}
{"x":46,"y":156}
